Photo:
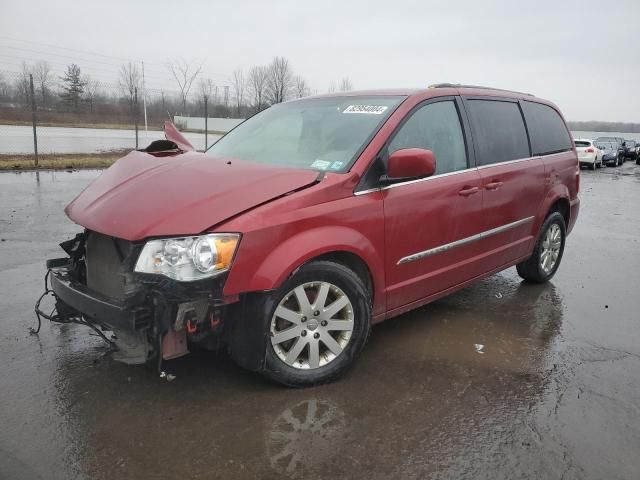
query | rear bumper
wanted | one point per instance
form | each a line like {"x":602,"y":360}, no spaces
{"x":574,"y":207}
{"x":587,"y":160}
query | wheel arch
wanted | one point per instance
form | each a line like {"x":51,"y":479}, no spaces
{"x":341,"y":244}
{"x":556,"y":200}
{"x":562,"y":206}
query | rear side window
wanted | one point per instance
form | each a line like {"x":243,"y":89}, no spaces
{"x":435,"y":127}
{"x":582,"y":143}
{"x":546,"y":128}
{"x":500,"y":134}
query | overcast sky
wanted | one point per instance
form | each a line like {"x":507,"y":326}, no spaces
{"x":583,"y":55}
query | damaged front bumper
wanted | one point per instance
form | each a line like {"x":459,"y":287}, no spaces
{"x":96,"y":307}
{"x":154,"y":318}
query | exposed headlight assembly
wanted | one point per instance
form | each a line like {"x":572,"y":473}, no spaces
{"x":188,"y":258}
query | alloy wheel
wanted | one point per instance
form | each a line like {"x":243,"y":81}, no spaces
{"x":551,"y":248}
{"x":312,"y":325}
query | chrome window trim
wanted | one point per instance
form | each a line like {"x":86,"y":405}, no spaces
{"x":481,"y":167}
{"x":508,"y":162}
{"x":410,"y":182}
{"x":463,"y":241}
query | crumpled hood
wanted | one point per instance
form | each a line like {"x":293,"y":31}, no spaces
{"x":144,"y":196}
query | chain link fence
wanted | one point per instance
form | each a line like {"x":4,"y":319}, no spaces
{"x":83,"y":122}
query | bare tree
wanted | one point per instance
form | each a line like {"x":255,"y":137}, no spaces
{"x":128,"y":81}
{"x":4,"y":87}
{"x":90,"y":91}
{"x":300,"y":86}
{"x":280,"y":80}
{"x":206,"y":89}
{"x":258,"y":76}
{"x":22,"y":85}
{"x":332,"y":87}
{"x":184,"y":74}
{"x":346,"y":85}
{"x":43,"y":79}
{"x":239,"y":84}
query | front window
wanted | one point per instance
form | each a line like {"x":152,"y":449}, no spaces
{"x":318,"y":134}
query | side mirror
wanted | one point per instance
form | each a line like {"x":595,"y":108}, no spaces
{"x":408,"y":164}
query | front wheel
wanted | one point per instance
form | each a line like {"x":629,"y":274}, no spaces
{"x":547,"y":253}
{"x":319,"y":321}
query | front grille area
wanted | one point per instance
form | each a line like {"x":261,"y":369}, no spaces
{"x":103,"y":258}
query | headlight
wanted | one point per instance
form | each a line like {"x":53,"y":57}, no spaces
{"x":188,"y":258}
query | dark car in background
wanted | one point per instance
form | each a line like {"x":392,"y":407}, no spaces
{"x":630,"y":150}
{"x":609,"y":150}
{"x":619,"y":142}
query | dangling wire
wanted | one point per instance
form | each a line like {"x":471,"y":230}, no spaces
{"x":39,"y":312}
{"x":55,"y":317}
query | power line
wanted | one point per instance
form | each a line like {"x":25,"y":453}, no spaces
{"x":61,"y":48}
{"x":87,"y":52}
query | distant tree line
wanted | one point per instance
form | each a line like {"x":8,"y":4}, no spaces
{"x":247,"y":92}
{"x":595,"y":126}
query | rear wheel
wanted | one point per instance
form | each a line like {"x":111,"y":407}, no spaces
{"x":319,"y":321}
{"x":547,"y":253}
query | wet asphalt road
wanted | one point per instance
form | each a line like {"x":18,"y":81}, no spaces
{"x":556,"y":393}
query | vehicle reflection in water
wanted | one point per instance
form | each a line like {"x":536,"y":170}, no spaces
{"x":420,"y":400}
{"x":305,"y":436}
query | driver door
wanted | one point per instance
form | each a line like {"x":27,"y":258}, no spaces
{"x":430,"y":223}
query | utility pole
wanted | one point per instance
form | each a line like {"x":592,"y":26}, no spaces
{"x":33,"y":119}
{"x":135,"y":111}
{"x":144,"y":101}
{"x":206,"y":121}
{"x":226,"y":95}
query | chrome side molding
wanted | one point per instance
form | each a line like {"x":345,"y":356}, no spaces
{"x":463,"y":241}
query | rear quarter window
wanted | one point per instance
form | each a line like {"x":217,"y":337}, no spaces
{"x":547,"y":130}
{"x":499,"y":131}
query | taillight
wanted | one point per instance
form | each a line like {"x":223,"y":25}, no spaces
{"x":589,"y":150}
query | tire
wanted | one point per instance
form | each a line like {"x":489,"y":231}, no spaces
{"x":592,"y":166}
{"x":289,"y":364}
{"x":531,"y":269}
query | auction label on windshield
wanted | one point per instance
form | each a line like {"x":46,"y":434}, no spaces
{"x":370,"y":109}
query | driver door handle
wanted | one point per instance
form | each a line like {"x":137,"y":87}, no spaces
{"x":466,"y":191}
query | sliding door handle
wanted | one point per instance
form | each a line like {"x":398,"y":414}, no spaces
{"x":493,"y":185}
{"x":466,"y":191}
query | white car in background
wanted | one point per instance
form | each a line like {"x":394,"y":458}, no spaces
{"x":588,"y":154}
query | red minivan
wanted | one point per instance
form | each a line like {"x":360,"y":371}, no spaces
{"x":315,"y":219}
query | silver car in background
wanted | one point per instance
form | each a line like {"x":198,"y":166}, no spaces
{"x":610,"y":154}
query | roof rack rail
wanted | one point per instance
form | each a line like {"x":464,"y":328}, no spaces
{"x":460,"y":85}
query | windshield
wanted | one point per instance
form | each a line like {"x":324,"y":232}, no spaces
{"x":319,"y":134}
{"x":582,"y":143}
{"x":605,"y":145}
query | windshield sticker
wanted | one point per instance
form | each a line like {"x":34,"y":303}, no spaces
{"x":336,"y":165}
{"x":320,"y":164}
{"x":370,"y":109}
